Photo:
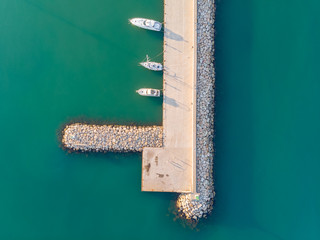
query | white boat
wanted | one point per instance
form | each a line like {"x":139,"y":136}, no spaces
{"x":154,"y":66}
{"x":149,"y":92}
{"x":146,"y":23}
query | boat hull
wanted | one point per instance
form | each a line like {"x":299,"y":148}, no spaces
{"x":154,"y":66}
{"x":149,"y":92}
{"x":148,"y":24}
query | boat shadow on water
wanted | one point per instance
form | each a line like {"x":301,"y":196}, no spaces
{"x":157,"y":100}
{"x":154,"y":34}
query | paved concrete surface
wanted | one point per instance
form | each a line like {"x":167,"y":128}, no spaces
{"x":172,"y":168}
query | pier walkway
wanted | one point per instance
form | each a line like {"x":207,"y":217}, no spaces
{"x":172,"y":168}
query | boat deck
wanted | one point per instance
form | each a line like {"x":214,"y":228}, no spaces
{"x":173,"y":167}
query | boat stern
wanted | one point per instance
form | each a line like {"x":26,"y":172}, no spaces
{"x":158,"y":26}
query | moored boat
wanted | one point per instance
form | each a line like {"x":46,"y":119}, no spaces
{"x":149,"y":92}
{"x":146,"y":23}
{"x":154,"y":66}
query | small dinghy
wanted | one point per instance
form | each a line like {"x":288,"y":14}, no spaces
{"x":146,"y":23}
{"x":149,"y":92}
{"x":154,"y":66}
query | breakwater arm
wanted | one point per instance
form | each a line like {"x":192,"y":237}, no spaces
{"x":111,"y":138}
{"x":191,"y":206}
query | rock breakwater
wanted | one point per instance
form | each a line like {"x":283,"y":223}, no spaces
{"x":197,"y":205}
{"x":111,"y":138}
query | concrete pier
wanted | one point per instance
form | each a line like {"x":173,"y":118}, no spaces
{"x":173,"y":167}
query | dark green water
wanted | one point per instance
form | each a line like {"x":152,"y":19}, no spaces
{"x":75,"y":59}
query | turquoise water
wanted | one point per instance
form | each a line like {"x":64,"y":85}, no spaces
{"x":64,"y":60}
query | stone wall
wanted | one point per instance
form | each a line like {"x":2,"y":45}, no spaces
{"x":111,"y":138}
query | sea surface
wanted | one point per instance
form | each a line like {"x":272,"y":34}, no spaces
{"x":77,"y":60}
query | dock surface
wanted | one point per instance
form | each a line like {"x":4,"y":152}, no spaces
{"x":172,"y":168}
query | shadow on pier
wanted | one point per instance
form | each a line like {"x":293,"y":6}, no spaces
{"x":174,"y":36}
